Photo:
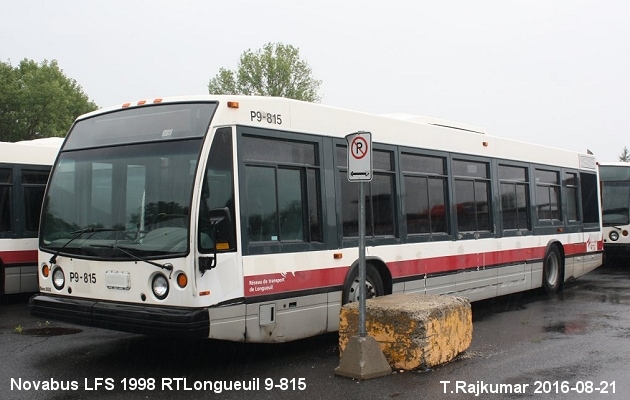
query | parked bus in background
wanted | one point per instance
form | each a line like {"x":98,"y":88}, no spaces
{"x":232,"y":217}
{"x":24,"y":169}
{"x":615,"y":181}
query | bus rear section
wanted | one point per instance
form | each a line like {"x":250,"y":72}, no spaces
{"x":24,"y":170}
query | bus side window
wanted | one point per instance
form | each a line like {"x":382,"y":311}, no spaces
{"x":590,"y":207}
{"x":34,"y":185}
{"x":218,"y":193}
{"x":5,"y":200}
{"x":261,"y":202}
{"x":281,"y":193}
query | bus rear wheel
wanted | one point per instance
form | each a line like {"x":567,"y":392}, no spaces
{"x":552,"y":270}
{"x":373,"y":285}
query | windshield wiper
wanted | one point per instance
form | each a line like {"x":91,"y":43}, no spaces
{"x":90,"y":229}
{"x":166,"y":266}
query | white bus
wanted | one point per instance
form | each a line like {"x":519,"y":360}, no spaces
{"x":615,"y":181}
{"x":24,"y":169}
{"x":231,"y":217}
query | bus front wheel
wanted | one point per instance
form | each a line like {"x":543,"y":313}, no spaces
{"x":373,"y":285}
{"x":552,"y":270}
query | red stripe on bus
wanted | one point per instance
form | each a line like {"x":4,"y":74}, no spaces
{"x":401,"y":269}
{"x":18,"y":256}
{"x":291,"y":281}
{"x":257,"y":285}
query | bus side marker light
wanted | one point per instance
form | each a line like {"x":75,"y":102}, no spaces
{"x":624,"y":232}
{"x":204,"y":293}
{"x":45,"y":270}
{"x":142,"y":102}
{"x":485,"y":144}
{"x":338,"y":256}
{"x":126,"y":105}
{"x":157,"y":101}
{"x":182,"y":280}
{"x":232,"y":104}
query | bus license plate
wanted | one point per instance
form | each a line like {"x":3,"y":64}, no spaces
{"x":117,"y":280}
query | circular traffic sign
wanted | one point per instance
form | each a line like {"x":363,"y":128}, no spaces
{"x":359,"y":148}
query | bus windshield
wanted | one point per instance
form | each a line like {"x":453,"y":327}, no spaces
{"x":615,"y":197}
{"x":125,"y":201}
{"x":615,"y":194}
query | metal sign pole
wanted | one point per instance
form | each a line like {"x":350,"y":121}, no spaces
{"x":362,"y":273}
{"x":363,"y":357}
{"x":360,"y":171}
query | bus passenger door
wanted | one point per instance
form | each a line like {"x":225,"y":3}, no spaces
{"x":219,"y":277}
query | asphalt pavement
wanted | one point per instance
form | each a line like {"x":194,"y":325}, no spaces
{"x":574,"y":345}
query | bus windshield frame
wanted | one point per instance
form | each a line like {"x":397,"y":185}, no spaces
{"x":126,"y":185}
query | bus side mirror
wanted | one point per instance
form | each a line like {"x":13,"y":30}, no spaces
{"x":220,"y":234}
{"x":207,"y":263}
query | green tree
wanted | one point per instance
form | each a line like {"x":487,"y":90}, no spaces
{"x":37,"y":100}
{"x":274,"y":70}
{"x":625,"y":155}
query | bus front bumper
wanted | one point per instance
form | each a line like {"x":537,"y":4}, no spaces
{"x":148,"y":320}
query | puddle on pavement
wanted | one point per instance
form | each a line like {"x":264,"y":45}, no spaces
{"x":568,"y":328}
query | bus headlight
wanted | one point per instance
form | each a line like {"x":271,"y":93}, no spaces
{"x":614,"y":236}
{"x":160,"y":286}
{"x":58,"y":278}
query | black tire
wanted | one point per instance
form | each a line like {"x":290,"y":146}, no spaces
{"x":373,"y":285}
{"x":552,"y":271}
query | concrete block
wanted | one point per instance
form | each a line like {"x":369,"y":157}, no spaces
{"x":413,"y":330}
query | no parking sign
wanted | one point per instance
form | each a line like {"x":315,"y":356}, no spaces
{"x":359,"y":156}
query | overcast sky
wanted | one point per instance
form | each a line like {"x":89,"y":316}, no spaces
{"x":547,"y":72}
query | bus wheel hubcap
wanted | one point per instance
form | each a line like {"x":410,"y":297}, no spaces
{"x":354,"y":290}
